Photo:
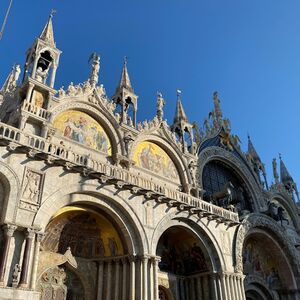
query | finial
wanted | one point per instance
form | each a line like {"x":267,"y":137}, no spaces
{"x":215,"y":94}
{"x":178,"y":93}
{"x":125,"y":60}
{"x":52,"y":13}
{"x":280,"y":157}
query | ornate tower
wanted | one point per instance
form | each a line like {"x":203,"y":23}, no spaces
{"x":126,"y":99}
{"x":38,"y":80}
{"x":256,"y":162}
{"x":183,"y":128}
{"x":287,"y":180}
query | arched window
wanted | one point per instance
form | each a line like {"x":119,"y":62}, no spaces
{"x":224,"y":187}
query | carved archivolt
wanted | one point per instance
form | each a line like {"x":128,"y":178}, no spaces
{"x":217,"y":153}
{"x":262,"y":221}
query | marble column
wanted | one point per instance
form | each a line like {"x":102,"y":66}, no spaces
{"x":199,"y":288}
{"x":214,"y":286}
{"x":145,"y":277}
{"x":155,"y":261}
{"x":242,"y":287}
{"x":132,"y":278}
{"x":26,"y":258}
{"x":108,"y":281}
{"x":8,"y":233}
{"x":192,"y":289}
{"x":206,"y":287}
{"x":182,"y":292}
{"x":53,"y":75}
{"x":29,"y":92}
{"x":117,"y":273}
{"x":220,"y":288}
{"x":232,"y":288}
{"x":39,"y":236}
{"x":100,"y":280}
{"x":124,"y":278}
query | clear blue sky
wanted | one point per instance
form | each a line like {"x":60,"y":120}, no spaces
{"x":249,"y":51}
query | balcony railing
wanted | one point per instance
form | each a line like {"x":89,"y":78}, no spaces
{"x":106,"y":172}
{"x":36,"y":110}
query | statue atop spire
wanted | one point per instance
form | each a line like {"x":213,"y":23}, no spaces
{"x":94,"y":77}
{"x":217,"y":108}
{"x":160,"y":103}
{"x":275,"y":173}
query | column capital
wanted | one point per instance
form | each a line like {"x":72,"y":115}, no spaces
{"x":30,"y":233}
{"x":9,"y":229}
{"x":39,"y":236}
{"x":132,"y":258}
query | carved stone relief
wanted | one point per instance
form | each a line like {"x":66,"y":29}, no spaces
{"x":32,"y":189}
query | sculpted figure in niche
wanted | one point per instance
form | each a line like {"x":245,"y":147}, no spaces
{"x":40,"y":74}
{"x":31,"y":189}
{"x":15,"y":275}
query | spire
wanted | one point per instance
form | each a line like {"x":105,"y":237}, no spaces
{"x":125,"y":81}
{"x":252,"y":151}
{"x":47,"y":33}
{"x":179,"y":112}
{"x":285,"y":176}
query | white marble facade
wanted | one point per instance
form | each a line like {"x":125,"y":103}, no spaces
{"x":97,"y":206}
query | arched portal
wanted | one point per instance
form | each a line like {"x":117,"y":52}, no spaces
{"x":268,"y":272}
{"x":185,"y":267}
{"x":83,"y":255}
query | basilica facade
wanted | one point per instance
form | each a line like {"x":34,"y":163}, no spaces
{"x":96,"y":205}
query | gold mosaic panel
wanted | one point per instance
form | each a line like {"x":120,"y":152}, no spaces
{"x":153,"y":158}
{"x":80,"y":127}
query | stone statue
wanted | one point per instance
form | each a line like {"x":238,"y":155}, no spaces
{"x":275,"y":174}
{"x":40,"y":75}
{"x":15,"y":275}
{"x":95,"y":69}
{"x":207,"y":127}
{"x":11,"y":81}
{"x":128,"y":139}
{"x":192,"y":168}
{"x":71,"y":90}
{"x":159,"y":106}
{"x":227,"y":125}
{"x":61,"y":92}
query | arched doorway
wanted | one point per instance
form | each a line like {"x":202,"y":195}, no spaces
{"x":185,"y":267}
{"x":268,"y":272}
{"x":94,"y":241}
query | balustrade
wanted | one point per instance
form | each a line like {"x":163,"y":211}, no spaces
{"x":129,"y":178}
